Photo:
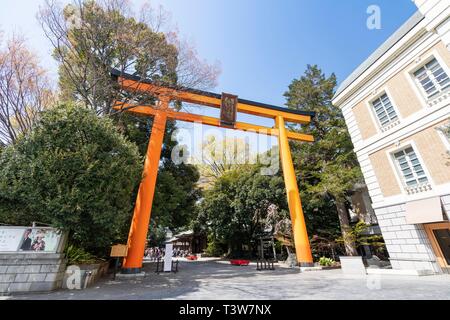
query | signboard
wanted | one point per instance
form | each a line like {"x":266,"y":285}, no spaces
{"x":41,"y":239}
{"x":10,"y":239}
{"x":424,"y":211}
{"x":17,"y":239}
{"x":228,"y":110}
{"x":119,"y":250}
{"x":168,"y":258}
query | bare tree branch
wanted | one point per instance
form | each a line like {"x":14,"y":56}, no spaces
{"x":24,"y":90}
{"x":92,"y":37}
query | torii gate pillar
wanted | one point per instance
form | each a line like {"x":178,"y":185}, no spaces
{"x":137,"y":237}
{"x":141,"y":217}
{"x":301,"y":241}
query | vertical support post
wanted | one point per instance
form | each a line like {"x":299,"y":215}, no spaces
{"x":301,"y":240}
{"x":261,"y":251}
{"x":274,"y":250}
{"x":142,"y":210}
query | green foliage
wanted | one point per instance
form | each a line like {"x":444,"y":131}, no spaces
{"x":221,"y":155}
{"x":358,"y":235}
{"x":109,"y":36}
{"x":214,"y":248}
{"x":326,"y":245}
{"x":157,"y":235}
{"x":75,"y":172}
{"x":76,"y":255}
{"x":176,"y":191}
{"x":175,"y":196}
{"x":326,"y":262}
{"x":235,"y":209}
{"x":106,"y":37}
{"x":328,"y":168}
{"x":329,"y":165}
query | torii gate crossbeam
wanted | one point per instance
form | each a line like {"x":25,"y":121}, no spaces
{"x":142,"y":211}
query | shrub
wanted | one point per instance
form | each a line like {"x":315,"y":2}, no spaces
{"x":75,"y":172}
{"x":326,"y":262}
{"x":358,"y":235}
{"x":214,"y":249}
{"x":77,"y":255}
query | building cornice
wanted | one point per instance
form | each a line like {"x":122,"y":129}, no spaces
{"x":381,"y":58}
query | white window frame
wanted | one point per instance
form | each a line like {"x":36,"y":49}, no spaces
{"x":428,"y":73}
{"x":369,"y":103}
{"x":398,"y":174}
{"x":411,"y":171}
{"x":422,"y":61}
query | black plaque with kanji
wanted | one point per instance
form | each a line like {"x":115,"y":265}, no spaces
{"x":228,"y":110}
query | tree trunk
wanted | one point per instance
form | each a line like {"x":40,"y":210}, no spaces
{"x":349,"y":244}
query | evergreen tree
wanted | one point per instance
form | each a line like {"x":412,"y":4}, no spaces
{"x":73,"y":171}
{"x":89,"y":39}
{"x":327,"y":169}
{"x":235,"y":210}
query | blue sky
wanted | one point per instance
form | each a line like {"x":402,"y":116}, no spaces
{"x":261,"y":44}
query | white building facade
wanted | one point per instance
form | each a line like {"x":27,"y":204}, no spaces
{"x":396,"y":104}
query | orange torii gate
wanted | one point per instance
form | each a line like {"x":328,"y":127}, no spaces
{"x":229,"y":105}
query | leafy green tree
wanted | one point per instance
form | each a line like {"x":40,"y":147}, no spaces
{"x":221,"y":155}
{"x":234,"y":211}
{"x":157,"y":236}
{"x":359,"y":235}
{"x":175,"y":197}
{"x":91,"y":37}
{"x":327,"y":169}
{"x":176,"y":187}
{"x":73,"y":171}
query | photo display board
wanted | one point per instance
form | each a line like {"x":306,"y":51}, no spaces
{"x":28,"y":239}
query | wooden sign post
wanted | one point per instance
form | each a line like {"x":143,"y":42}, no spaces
{"x":118,"y":251}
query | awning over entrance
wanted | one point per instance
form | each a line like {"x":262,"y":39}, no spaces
{"x":424,"y":211}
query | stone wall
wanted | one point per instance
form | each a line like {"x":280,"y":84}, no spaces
{"x":84,"y":276}
{"x":31,"y":272}
{"x":408,"y":245}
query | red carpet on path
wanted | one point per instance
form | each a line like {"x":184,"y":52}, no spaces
{"x":240,"y":262}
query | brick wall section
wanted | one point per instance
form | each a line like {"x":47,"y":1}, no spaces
{"x":433,"y":152}
{"x":384,"y":173}
{"x":429,"y":146}
{"x":366,"y":125}
{"x":31,"y":272}
{"x":405,"y":98}
{"x":408,"y":245}
{"x":403,"y":95}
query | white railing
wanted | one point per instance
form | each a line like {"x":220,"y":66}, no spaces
{"x":390,"y":125}
{"x":422,"y":187}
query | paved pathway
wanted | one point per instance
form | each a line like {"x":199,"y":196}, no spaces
{"x":219,"y":280}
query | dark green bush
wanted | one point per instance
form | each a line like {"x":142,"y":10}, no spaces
{"x":73,"y":171}
{"x":75,"y":255}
